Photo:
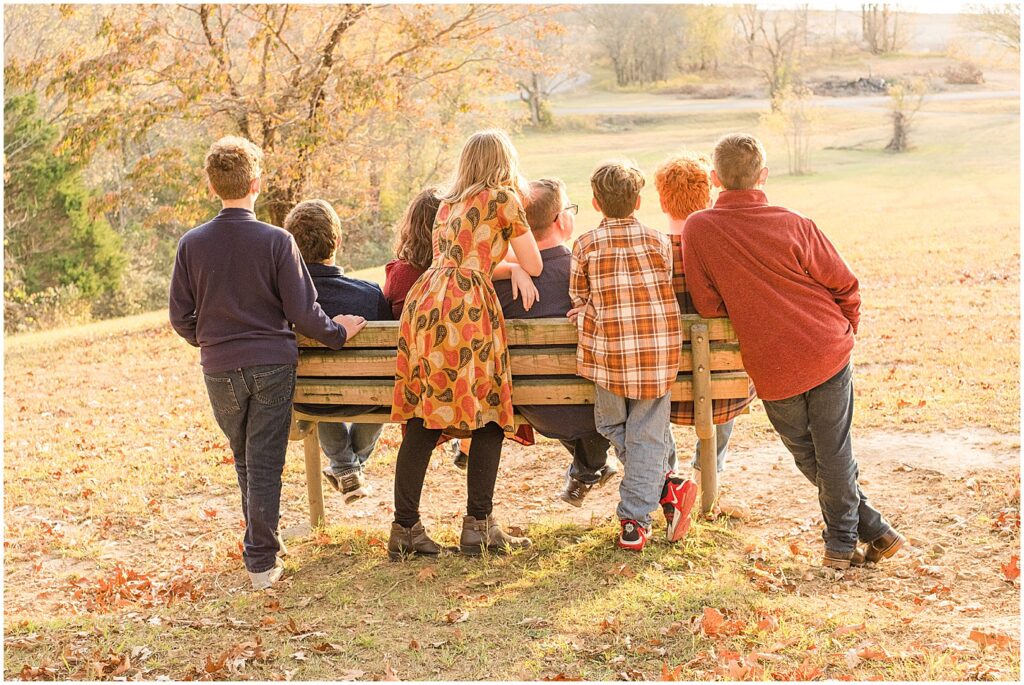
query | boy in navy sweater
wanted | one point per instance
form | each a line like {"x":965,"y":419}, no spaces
{"x":317,"y":231}
{"x":237,"y":284}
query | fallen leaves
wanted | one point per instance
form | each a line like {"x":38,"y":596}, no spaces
{"x":623,"y":570}
{"x":232,"y":661}
{"x":986,"y":640}
{"x":670,"y":675}
{"x":1011,"y":569}
{"x":456,"y":616}
{"x":714,"y":624}
{"x":846,"y":630}
{"x":561,"y":677}
{"x":426,"y":574}
{"x":37,"y":673}
{"x":126,"y":586}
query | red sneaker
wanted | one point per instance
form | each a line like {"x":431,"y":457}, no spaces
{"x":633,"y":535}
{"x":677,"y":499}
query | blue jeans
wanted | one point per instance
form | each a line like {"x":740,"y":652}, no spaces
{"x":639,"y":430}
{"x":348,"y":445}
{"x":815,"y":427}
{"x":253,"y":406}
{"x":722,"y":433}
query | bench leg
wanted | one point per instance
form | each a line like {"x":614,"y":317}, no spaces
{"x":703,"y":422}
{"x":311,"y":443}
{"x":708,"y":473}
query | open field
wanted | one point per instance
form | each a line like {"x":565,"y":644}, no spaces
{"x":122,"y":521}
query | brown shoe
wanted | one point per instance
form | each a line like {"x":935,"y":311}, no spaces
{"x":411,"y":541}
{"x":480,"y":533}
{"x":838,"y":561}
{"x":882,"y":548}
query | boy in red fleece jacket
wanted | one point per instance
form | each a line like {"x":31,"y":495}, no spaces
{"x":795,"y":306}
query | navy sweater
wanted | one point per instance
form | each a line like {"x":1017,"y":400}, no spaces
{"x":237,"y":284}
{"x":338,"y":294}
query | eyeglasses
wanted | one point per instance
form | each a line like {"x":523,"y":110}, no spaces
{"x":572,"y":209}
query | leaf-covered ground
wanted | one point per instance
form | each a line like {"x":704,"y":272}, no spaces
{"x":122,"y":522}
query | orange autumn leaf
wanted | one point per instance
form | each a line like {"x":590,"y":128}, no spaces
{"x":711,"y":621}
{"x":1011,"y":569}
{"x":670,"y":675}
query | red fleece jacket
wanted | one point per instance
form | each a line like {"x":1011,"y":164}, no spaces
{"x":792,"y":299}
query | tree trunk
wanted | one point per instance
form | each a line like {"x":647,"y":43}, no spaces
{"x":899,"y":133}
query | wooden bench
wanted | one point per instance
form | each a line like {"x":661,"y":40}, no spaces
{"x":543,"y":363}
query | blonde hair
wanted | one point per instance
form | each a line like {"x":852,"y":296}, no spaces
{"x":616,"y":187}
{"x":684,"y":184}
{"x":316,"y":228}
{"x":739,"y":159}
{"x":488,"y":160}
{"x":231,"y":165}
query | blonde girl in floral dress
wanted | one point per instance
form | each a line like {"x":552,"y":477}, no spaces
{"x":452,"y":373}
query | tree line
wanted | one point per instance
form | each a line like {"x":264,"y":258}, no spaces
{"x":109,"y":109}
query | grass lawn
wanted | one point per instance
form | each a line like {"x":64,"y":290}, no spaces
{"x":122,"y":521}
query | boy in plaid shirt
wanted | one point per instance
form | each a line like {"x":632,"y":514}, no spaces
{"x":630,"y":340}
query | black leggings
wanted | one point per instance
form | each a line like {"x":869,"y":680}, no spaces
{"x":414,"y":456}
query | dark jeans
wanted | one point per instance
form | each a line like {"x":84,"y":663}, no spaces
{"x":815,"y":427}
{"x":574,"y":427}
{"x":414,"y":456}
{"x":253,"y":406}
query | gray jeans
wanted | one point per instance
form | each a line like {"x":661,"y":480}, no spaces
{"x":253,"y":406}
{"x":639,"y":430}
{"x":815,"y":427}
{"x":348,"y":445}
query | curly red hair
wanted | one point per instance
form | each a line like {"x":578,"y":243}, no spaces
{"x":684,"y":184}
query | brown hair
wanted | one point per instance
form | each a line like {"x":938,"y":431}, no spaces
{"x":739,"y":158}
{"x":231,"y":165}
{"x":413,"y":242}
{"x":488,"y":160}
{"x":616,"y":187}
{"x":544,"y":205}
{"x":684,"y":184}
{"x":316,"y":228}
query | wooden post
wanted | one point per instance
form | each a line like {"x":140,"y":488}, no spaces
{"x":313,"y":487}
{"x":703,"y":422}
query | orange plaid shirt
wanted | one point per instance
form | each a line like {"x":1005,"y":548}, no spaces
{"x":630,"y":336}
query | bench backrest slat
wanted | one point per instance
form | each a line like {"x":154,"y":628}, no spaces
{"x":384,"y":334}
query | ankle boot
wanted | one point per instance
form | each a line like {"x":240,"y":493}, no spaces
{"x":480,"y":533}
{"x":882,"y":548}
{"x":408,"y":541}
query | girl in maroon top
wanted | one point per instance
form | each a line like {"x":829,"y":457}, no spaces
{"x":413,"y":249}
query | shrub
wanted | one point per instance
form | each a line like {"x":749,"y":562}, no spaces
{"x":964,"y":73}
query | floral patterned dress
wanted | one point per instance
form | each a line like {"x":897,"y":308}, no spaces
{"x":453,"y":364}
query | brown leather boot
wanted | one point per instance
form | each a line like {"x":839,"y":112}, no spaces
{"x":410,"y":541}
{"x":882,"y":548}
{"x":838,"y":561}
{"x":480,"y":533}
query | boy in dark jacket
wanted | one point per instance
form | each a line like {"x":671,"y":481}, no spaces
{"x":317,"y":231}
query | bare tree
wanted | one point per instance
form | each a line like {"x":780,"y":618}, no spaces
{"x":906,"y":101}
{"x":775,"y":43}
{"x":1000,"y":23}
{"x":883,"y":28}
{"x":641,"y":41}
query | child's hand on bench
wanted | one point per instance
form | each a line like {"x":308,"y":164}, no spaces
{"x":351,"y":324}
{"x":573,"y":313}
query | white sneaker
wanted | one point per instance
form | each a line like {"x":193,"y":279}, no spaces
{"x":261,"y":581}
{"x":354,"y":486}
